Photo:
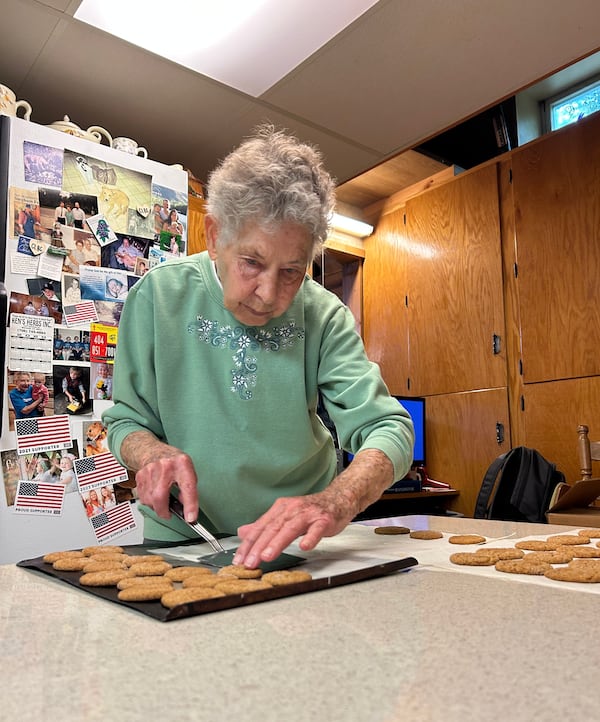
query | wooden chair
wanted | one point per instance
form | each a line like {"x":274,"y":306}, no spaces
{"x":589,"y":451}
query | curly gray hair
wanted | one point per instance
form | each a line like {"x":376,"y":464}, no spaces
{"x":271,"y":178}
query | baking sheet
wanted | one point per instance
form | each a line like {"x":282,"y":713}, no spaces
{"x":337,"y":572}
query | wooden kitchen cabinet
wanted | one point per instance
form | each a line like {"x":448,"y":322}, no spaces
{"x":556,"y":184}
{"x":385,"y":317}
{"x":511,"y":250}
{"x":465,"y":433}
{"x":454,"y":280}
{"x":195,"y":228}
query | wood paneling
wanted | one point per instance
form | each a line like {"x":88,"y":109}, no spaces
{"x":461,"y":440}
{"x":195,"y":225}
{"x":557,"y":203}
{"x":385,"y":329}
{"x":455,"y":286}
{"x":552,"y":413}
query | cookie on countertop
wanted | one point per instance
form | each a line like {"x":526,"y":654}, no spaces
{"x":466,"y":539}
{"x":426,"y":534}
{"x":520,"y":566}
{"x":391,"y":530}
{"x":471,"y":559}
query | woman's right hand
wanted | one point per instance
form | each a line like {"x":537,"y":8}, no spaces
{"x":158,"y":467}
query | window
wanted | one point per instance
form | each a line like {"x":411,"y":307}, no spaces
{"x":572,"y":104}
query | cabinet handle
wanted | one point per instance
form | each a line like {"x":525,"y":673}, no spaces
{"x":495,"y":344}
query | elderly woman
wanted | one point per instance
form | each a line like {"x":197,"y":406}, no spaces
{"x":222,"y":357}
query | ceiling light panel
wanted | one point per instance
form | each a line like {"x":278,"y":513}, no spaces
{"x":246,"y":44}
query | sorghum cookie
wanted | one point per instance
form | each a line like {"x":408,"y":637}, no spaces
{"x":102,"y":566}
{"x":520,"y":566}
{"x":144,"y":582}
{"x":185,"y":596}
{"x":466,"y":539}
{"x":566,"y":539}
{"x":471,"y":559}
{"x":587,"y":563}
{"x":239,"y":571}
{"x":51,"y":557}
{"x":88,"y":551}
{"x":426,"y":534}
{"x":103,"y":579}
{"x":536,"y":545}
{"x":70,"y":564}
{"x":581,"y":552}
{"x":589,"y":533}
{"x":205,"y":580}
{"x":552,"y":557}
{"x":148,"y":569}
{"x":144,"y":593}
{"x":241,"y":586}
{"x":107,"y":557}
{"x":178,"y":574}
{"x":498,"y":553}
{"x":574,"y":574}
{"x":391,"y":530}
{"x":286,"y":576}
{"x":141,"y":558}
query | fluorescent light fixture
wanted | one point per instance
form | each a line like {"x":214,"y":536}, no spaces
{"x":246,"y":44}
{"x":351,"y":226}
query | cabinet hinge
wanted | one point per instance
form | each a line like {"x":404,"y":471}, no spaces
{"x":499,"y":432}
{"x":520,"y":367}
{"x":516,"y":270}
{"x":510,"y":175}
{"x":406,"y":301}
{"x":522,"y":403}
{"x":495,"y":344}
{"x":404,"y":219}
{"x":408,"y":383}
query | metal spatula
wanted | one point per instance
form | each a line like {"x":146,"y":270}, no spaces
{"x":224,"y":557}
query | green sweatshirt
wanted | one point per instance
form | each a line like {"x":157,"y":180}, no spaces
{"x":241,"y":401}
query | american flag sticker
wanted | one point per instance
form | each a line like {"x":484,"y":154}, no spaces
{"x":98,"y":470}
{"x":80,"y":313}
{"x":44,"y":433}
{"x":113,"y":522}
{"x":39,"y":498}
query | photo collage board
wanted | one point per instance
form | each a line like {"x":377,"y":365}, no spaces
{"x":84,"y":231}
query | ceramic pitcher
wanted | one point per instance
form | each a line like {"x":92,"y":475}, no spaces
{"x":9,"y":105}
{"x":128,"y":145}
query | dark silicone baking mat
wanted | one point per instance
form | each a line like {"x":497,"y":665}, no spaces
{"x":157,"y":611}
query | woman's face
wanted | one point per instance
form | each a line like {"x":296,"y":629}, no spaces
{"x":262,"y":270}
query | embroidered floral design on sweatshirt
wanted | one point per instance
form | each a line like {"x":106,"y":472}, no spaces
{"x":245,"y":341}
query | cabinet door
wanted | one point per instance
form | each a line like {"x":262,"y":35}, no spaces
{"x":385,"y":329}
{"x":195,"y":230}
{"x":455,"y":297}
{"x":461,"y":440}
{"x":557,"y":220}
{"x":552,"y":412}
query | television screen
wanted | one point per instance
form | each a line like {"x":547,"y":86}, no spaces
{"x":415,"y":405}
{"x":416,"y":408}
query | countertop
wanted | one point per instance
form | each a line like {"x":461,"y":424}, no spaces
{"x":421,"y":645}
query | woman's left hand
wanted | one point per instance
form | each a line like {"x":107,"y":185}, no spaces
{"x":315,"y":516}
{"x":312,"y":517}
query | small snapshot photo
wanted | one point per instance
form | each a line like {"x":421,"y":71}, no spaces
{"x":101,"y":375}
{"x":123,"y":253}
{"x":71,"y":344}
{"x":71,"y":389}
{"x":42,"y":164}
{"x":31,"y":395}
{"x":35,"y":306}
